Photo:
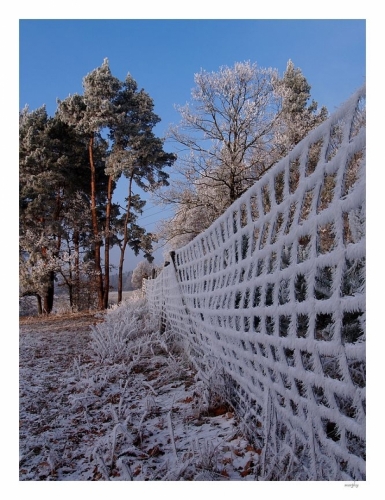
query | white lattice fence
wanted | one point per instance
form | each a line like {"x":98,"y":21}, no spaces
{"x":273,"y":293}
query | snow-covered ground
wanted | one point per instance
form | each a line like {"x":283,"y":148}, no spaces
{"x":136,"y":413}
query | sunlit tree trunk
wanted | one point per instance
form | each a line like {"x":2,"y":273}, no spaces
{"x":97,"y":241}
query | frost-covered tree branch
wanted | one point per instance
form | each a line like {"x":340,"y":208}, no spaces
{"x":239,"y":123}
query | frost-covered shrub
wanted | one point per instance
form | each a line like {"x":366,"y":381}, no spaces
{"x":123,"y":332}
{"x":143,"y":270}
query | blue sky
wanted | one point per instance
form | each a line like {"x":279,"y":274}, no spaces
{"x":162,"y":55}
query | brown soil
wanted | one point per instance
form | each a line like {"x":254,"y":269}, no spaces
{"x":60,"y":322}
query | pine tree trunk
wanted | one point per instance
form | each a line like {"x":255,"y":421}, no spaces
{"x":49,"y":296}
{"x":39,"y":305}
{"x":97,"y":243}
{"x":107,"y":244}
{"x":76,"y":294}
{"x":47,"y":299}
{"x":71,"y":294}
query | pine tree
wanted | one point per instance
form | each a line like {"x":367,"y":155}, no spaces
{"x":115,"y":116}
{"x":51,"y":176}
{"x":138,"y":155}
{"x":90,"y":114}
{"x":297,"y":117}
{"x":39,"y":196}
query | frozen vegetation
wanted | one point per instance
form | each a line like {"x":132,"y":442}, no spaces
{"x":109,"y":398}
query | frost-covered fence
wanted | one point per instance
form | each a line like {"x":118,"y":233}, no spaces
{"x":273,"y":294}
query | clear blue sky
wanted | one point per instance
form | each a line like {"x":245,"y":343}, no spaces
{"x":163,"y":55}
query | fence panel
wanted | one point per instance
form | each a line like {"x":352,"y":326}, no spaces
{"x":273,"y":293}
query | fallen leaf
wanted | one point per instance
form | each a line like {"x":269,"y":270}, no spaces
{"x":251,"y":448}
{"x":155,"y":451}
{"x":186,"y":400}
{"x":248,"y":469}
{"x":216,"y":412}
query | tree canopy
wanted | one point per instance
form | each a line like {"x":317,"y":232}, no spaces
{"x":241,"y":120}
{"x":69,"y":166}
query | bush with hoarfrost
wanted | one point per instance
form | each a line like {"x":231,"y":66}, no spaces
{"x":125,"y":330}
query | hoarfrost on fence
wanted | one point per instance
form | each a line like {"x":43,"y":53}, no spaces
{"x":273,"y":295}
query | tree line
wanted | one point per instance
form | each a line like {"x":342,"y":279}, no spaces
{"x":69,"y":166}
{"x":240,"y":122}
